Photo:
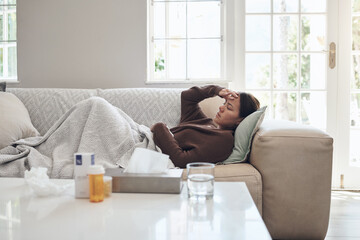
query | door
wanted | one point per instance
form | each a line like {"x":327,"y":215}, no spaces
{"x":347,"y":168}
{"x":286,"y":61}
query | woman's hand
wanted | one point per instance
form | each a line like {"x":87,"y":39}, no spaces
{"x":157,"y":126}
{"x":228,"y":94}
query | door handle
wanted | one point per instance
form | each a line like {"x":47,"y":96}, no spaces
{"x":332,"y":55}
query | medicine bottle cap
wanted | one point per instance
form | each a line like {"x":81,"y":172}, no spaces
{"x":96,"y":169}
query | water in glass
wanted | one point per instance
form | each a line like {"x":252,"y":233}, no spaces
{"x":200,"y":186}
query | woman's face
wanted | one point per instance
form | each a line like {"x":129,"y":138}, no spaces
{"x":228,"y":114}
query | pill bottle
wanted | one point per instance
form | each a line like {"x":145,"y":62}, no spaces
{"x":107,"y":186}
{"x":96,"y":183}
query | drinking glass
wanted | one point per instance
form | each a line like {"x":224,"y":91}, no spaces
{"x":200,"y":180}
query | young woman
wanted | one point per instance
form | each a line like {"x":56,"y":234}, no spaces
{"x":201,"y":139}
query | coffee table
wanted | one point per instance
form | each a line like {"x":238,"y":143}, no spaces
{"x":231,"y":214}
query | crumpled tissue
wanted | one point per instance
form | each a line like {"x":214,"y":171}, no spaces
{"x":40,"y":183}
{"x":147,"y":161}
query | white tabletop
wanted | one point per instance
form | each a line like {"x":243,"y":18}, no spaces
{"x":230,"y":215}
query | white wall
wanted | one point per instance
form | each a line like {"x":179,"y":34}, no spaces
{"x":82,"y":43}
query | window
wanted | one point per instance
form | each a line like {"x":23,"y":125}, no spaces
{"x":285,"y":61}
{"x":8,"y":55}
{"x":275,"y":49}
{"x":186,"y":41}
{"x":355,"y":86}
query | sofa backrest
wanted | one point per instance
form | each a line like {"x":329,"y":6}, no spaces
{"x":47,"y":105}
{"x":144,"y":105}
{"x":147,"y":105}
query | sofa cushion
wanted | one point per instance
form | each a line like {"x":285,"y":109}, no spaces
{"x":242,"y":172}
{"x":210,"y":106}
{"x":14,"y":119}
{"x":146,"y":106}
{"x":46,"y":105}
{"x":244,"y":134}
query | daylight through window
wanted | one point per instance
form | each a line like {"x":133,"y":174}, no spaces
{"x":285,"y":62}
{"x":8,"y":56}
{"x":185,"y":40}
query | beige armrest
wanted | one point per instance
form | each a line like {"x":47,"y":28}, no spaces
{"x":295,"y":162}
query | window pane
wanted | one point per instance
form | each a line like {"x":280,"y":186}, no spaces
{"x":258,"y":6}
{"x":8,"y":2}
{"x":203,"y":19}
{"x":356,"y":33}
{"x":12,"y":26}
{"x":177,"y":59}
{"x":257,"y":33}
{"x":285,"y":71}
{"x":1,"y":25}
{"x":355,"y":110}
{"x":204,"y":58}
{"x":177,"y":19}
{"x":286,"y":6}
{"x":159,"y":59}
{"x":257,"y":73}
{"x":355,"y":83}
{"x":285,"y":33}
{"x":313,"y":109}
{"x":356,"y":5}
{"x":313,"y":32}
{"x":159,"y":20}
{"x":285,"y":106}
{"x":313,"y":5}
{"x":12,"y":70}
{"x":263,"y":97}
{"x":313,"y":70}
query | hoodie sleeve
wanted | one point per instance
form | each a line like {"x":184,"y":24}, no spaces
{"x":190,"y":109}
{"x":180,"y":157}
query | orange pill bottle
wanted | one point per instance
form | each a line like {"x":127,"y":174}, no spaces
{"x":96,"y":183}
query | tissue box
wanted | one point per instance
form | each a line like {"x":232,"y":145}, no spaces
{"x":169,"y":182}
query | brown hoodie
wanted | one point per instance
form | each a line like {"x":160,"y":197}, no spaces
{"x":196,"y":139}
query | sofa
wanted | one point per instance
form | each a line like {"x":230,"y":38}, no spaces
{"x":288,"y":172}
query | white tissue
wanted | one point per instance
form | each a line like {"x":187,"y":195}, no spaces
{"x":40,"y":183}
{"x":147,"y":161}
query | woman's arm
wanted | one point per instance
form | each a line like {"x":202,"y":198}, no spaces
{"x":190,"y":98}
{"x":168,"y":145}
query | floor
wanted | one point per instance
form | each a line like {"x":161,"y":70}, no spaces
{"x":344,"y":216}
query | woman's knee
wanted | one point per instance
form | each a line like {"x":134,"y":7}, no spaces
{"x":97,"y":101}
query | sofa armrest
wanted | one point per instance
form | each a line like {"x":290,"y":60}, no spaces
{"x":295,"y":162}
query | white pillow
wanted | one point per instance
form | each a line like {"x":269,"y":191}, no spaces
{"x":15,"y":121}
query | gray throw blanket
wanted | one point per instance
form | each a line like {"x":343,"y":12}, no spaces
{"x":93,"y":125}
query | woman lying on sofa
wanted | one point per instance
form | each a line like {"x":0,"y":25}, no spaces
{"x":201,"y":139}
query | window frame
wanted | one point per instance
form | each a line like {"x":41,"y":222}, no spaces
{"x":226,"y":52}
{"x":6,"y":44}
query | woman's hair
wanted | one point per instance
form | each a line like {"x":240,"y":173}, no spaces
{"x":248,"y":104}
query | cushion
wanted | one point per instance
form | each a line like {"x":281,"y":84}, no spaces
{"x":243,"y":136}
{"x":2,"y":86}
{"x":14,"y":119}
{"x":210,"y":106}
{"x":47,"y":105}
